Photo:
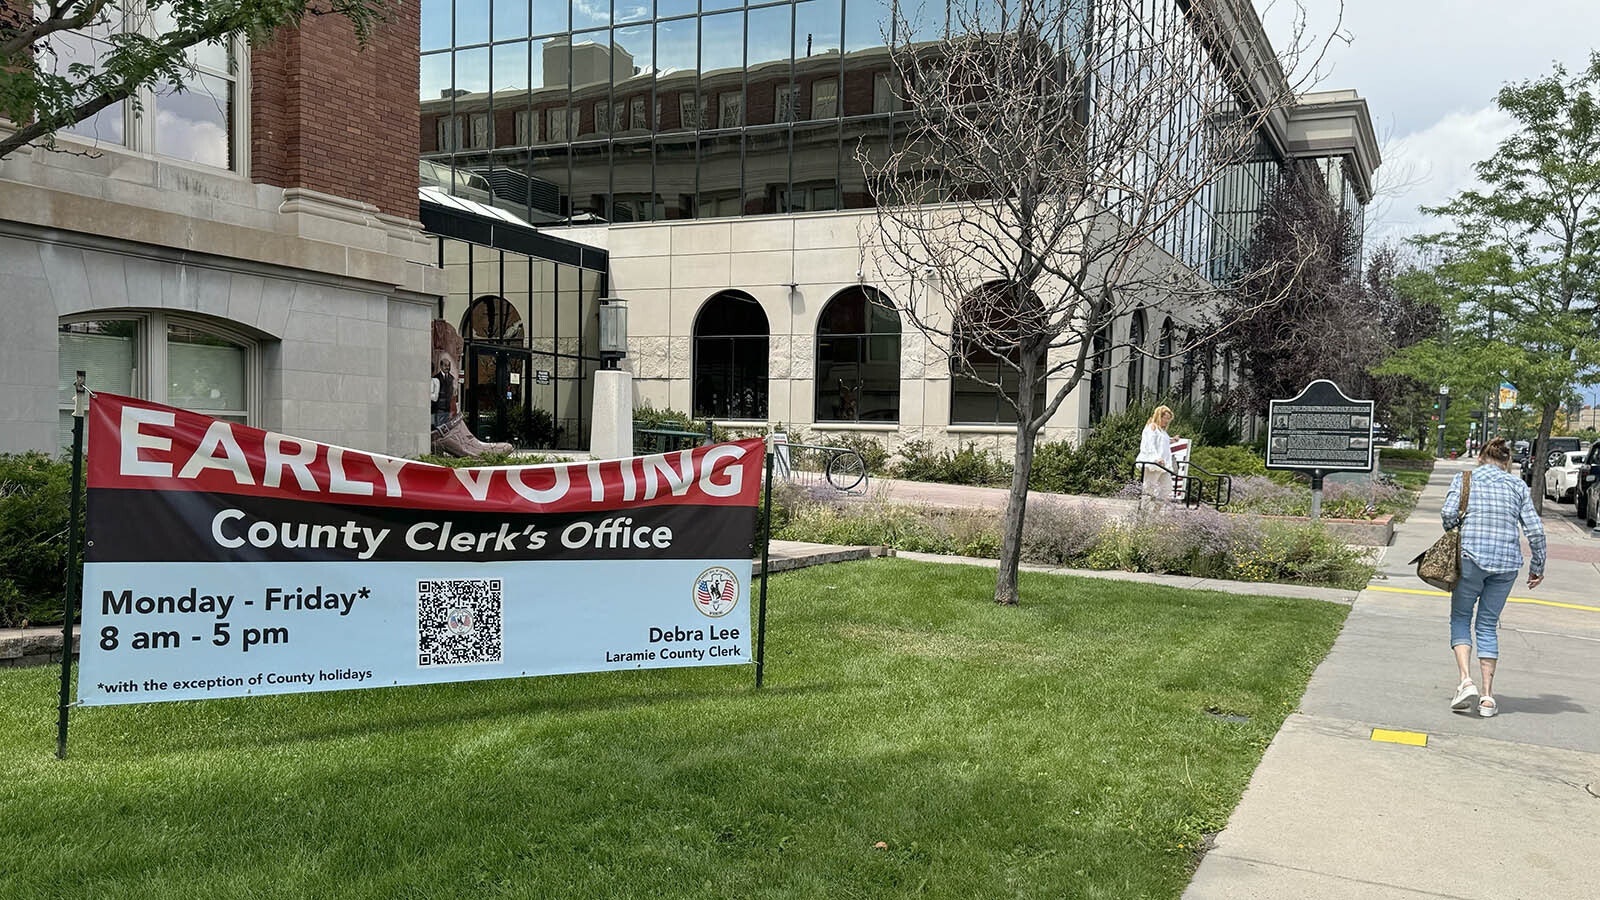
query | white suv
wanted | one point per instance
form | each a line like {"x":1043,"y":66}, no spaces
{"x":1561,"y":478}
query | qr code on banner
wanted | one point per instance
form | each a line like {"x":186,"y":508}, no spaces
{"x":458,"y":622}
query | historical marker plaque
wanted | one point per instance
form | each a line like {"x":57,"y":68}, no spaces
{"x":1321,"y":430}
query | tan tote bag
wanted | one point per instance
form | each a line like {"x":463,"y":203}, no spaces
{"x":1440,"y":565}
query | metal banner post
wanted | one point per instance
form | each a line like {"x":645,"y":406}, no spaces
{"x":80,"y":403}
{"x":766,"y":544}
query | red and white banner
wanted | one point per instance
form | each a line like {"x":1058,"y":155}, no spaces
{"x":224,"y":560}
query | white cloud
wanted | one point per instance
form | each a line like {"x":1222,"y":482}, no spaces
{"x":1430,"y":166}
{"x":1429,"y":70}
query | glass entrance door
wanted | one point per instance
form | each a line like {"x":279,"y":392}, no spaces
{"x":497,"y":398}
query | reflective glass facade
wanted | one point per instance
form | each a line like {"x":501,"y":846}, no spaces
{"x":623,"y":112}
{"x":530,"y":329}
{"x":633,"y":110}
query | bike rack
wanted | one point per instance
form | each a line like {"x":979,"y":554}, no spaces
{"x":1190,"y":488}
{"x":843,"y":469}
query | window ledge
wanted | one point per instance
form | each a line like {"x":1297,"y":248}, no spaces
{"x":854,"y":426}
{"x":981,"y":429}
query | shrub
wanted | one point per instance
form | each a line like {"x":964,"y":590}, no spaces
{"x":1056,"y":533}
{"x":969,"y":465}
{"x":1299,"y":554}
{"x":1340,"y":500}
{"x":1200,"y":542}
{"x":648,"y":416}
{"x":34,"y":513}
{"x":1100,"y":465}
{"x":1233,"y":460}
{"x":533,"y":427}
{"x":488,"y":459}
{"x":872,"y":451}
{"x":1203,"y":423}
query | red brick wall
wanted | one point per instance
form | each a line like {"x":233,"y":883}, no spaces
{"x":329,"y":115}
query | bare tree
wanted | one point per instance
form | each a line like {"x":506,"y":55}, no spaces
{"x":1061,"y":169}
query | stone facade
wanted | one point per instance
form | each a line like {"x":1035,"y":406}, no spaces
{"x":312,"y":255}
{"x":792,"y":266}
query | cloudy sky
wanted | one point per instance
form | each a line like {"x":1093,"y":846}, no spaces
{"x":1429,"y":70}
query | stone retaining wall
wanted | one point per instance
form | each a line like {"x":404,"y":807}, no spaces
{"x":32,"y":646}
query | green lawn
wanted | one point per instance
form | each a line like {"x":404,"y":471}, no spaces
{"x":1059,"y":749}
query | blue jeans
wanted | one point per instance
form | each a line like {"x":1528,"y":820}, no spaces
{"x":1488,"y":591}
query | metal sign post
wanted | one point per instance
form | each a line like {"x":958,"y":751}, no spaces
{"x":1444,"y":407}
{"x":766,"y":544}
{"x":80,"y":408}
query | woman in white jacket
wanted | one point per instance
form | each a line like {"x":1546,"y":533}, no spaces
{"x":1156,"y":447}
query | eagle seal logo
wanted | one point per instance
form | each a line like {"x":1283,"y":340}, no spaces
{"x":716,"y":592}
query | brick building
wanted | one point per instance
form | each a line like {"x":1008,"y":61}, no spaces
{"x":250,"y":247}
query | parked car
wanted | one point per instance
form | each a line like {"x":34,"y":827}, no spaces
{"x":1561,"y":477}
{"x":1558,"y":444}
{"x":1589,"y":485}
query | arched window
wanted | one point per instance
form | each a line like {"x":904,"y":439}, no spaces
{"x":730,"y":358}
{"x":1136,"y":358}
{"x":858,"y":358}
{"x":1100,"y":362}
{"x":493,"y":319}
{"x":988,"y":347}
{"x":1164,"y":361}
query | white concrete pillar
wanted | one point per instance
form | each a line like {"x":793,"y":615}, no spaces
{"x":611,"y":425}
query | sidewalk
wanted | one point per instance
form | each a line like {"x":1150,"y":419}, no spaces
{"x":1487,"y":808}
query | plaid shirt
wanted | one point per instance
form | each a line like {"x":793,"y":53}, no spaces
{"x":1497,"y":503}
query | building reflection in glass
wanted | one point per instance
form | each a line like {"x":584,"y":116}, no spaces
{"x":627,"y":112}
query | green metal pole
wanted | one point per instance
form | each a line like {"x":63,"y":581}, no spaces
{"x":766,"y":545}
{"x":74,"y":539}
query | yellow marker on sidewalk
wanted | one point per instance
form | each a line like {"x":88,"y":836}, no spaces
{"x":1412,"y":738}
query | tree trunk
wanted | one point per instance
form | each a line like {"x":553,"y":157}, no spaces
{"x":1005,"y":586}
{"x":1541,"y":450}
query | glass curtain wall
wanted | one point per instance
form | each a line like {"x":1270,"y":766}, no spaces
{"x":594,"y":111}
{"x":531,"y":332}
{"x":1210,"y":229}
{"x":620,"y":112}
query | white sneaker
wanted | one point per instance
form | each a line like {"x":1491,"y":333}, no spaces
{"x":1466,"y":696}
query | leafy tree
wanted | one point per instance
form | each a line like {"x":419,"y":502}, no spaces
{"x":1324,"y":326}
{"x":1405,"y":319}
{"x":1334,"y":321}
{"x":45,"y":87}
{"x":1518,"y":273}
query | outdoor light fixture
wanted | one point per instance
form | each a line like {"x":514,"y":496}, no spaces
{"x":613,"y":331}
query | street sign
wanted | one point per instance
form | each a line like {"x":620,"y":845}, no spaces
{"x":1320,"y":431}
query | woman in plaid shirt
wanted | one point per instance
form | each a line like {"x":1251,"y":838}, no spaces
{"x":1491,"y":555}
